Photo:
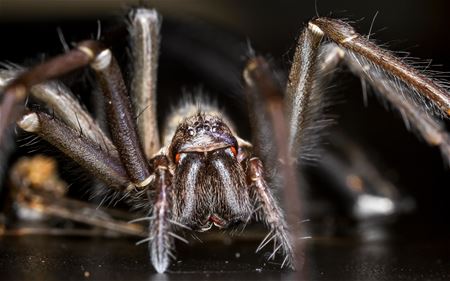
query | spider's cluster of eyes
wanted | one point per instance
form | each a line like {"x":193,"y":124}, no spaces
{"x":205,"y":126}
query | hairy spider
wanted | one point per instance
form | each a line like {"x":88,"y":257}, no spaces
{"x":197,"y":172}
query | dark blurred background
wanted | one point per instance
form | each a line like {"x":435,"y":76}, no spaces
{"x":420,"y":28}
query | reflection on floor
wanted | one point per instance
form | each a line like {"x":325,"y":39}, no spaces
{"x":375,"y":255}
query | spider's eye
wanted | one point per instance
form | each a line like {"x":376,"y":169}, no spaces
{"x":179,"y":157}
{"x":231,"y":151}
{"x":191,"y":131}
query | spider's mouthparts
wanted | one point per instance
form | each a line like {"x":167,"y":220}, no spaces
{"x":217,"y":221}
{"x":213,"y":220}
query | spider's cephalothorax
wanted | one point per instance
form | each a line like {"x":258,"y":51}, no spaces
{"x":209,"y":183}
{"x":203,"y":174}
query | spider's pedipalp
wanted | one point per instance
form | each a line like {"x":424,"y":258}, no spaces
{"x":160,"y":228}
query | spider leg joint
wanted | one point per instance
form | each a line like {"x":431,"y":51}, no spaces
{"x":315,"y":29}
{"x":103,"y":60}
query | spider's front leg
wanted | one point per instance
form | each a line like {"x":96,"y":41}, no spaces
{"x":144,"y":38}
{"x":117,"y":103}
{"x":14,"y":93}
{"x":118,"y":107}
{"x":82,"y":149}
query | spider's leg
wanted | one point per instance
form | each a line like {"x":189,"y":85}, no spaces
{"x":346,"y":37}
{"x":81,"y":149}
{"x":15,"y":93}
{"x":161,"y":237}
{"x":398,"y":95}
{"x":117,"y":104}
{"x":389,"y":81}
{"x":270,"y":212}
{"x":85,"y":152}
{"x":144,"y":36}
{"x":266,"y":104}
{"x":121,"y":121}
{"x":308,"y":94}
{"x":306,"y":100}
{"x":300,"y":90}
{"x":62,"y":103}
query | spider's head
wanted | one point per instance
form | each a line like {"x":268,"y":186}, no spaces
{"x":201,"y":133}
{"x":209,"y":182}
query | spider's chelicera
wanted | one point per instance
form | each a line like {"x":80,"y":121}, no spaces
{"x":197,"y":172}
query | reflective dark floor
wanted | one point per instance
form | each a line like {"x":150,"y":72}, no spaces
{"x":392,"y":257}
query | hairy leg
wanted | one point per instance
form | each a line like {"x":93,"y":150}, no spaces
{"x":346,"y":37}
{"x":117,"y":104}
{"x":301,"y":88}
{"x":271,"y":214}
{"x":144,"y":39}
{"x":15,"y":93}
{"x":161,"y":237}
{"x":121,"y":121}
{"x":58,"y":99}
{"x":412,"y":93}
{"x":85,"y":152}
{"x":397,"y":94}
{"x":263,"y":89}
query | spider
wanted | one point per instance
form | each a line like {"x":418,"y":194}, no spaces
{"x":197,"y":172}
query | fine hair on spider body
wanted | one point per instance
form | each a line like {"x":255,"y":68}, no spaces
{"x":197,"y":172}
